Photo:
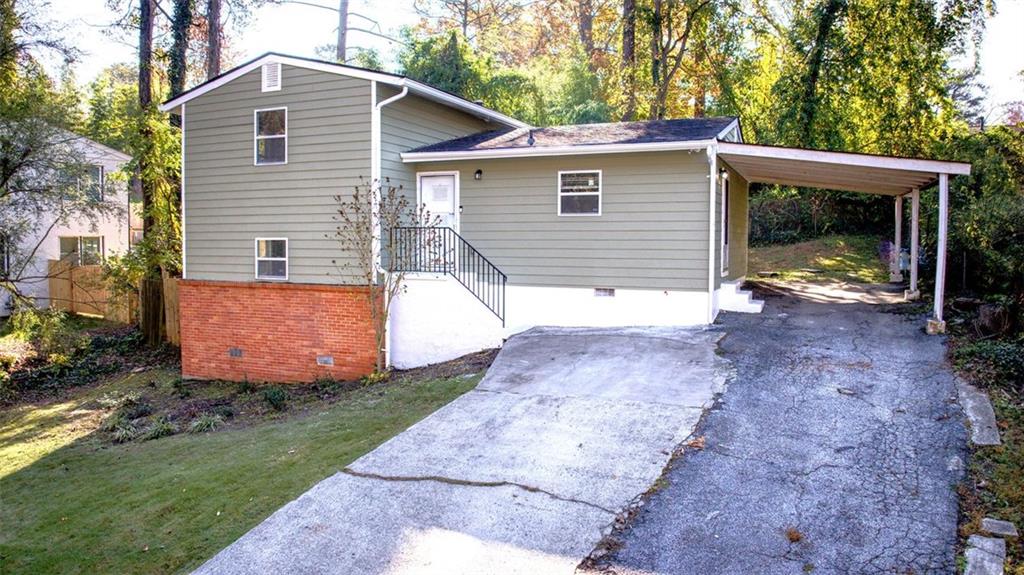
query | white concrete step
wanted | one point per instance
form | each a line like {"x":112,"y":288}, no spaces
{"x":732,"y":298}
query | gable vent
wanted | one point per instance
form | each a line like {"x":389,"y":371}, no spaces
{"x":271,"y":76}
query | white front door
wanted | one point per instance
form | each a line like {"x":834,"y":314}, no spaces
{"x":437,"y":194}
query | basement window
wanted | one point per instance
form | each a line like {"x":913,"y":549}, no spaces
{"x":271,"y":129}
{"x":272,"y":258}
{"x":579,"y":193}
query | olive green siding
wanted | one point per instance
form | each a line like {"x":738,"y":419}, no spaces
{"x":229,"y":201}
{"x":652,"y":234}
{"x":412,"y":122}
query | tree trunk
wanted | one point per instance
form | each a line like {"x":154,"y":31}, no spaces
{"x":179,"y":49}
{"x":829,"y":14}
{"x":585,"y":27}
{"x":152,"y":313}
{"x":342,"y":53}
{"x":629,"y":57}
{"x":213,"y":37}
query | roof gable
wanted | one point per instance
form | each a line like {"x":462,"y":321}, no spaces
{"x":415,"y":87}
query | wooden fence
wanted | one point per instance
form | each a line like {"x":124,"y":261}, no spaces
{"x":83,"y":289}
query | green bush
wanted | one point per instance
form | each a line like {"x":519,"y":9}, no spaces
{"x":161,"y":427}
{"x":205,"y":422}
{"x":276,"y":397}
{"x":50,"y":331}
{"x":125,"y":431}
{"x":997,"y":363}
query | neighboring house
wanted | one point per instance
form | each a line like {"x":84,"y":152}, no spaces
{"x":629,"y":224}
{"x":72,"y":238}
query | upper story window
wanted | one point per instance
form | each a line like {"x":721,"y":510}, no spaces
{"x":579,"y":193}
{"x":91,"y":182}
{"x":272,"y":258}
{"x":271,"y":146}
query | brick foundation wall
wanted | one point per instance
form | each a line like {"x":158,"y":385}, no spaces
{"x":279,"y":329}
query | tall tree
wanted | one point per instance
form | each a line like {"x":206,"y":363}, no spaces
{"x":213,"y":38}
{"x":672,"y":24}
{"x":628,"y":62}
{"x":181,"y":25}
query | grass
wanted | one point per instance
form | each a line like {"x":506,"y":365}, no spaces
{"x":843,"y":258}
{"x":73,"y":502}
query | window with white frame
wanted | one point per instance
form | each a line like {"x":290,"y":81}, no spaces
{"x":82,"y":250}
{"x":271,"y":146}
{"x":579,"y":193}
{"x":272,"y":258}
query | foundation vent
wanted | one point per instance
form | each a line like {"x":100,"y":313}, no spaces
{"x":234,"y":352}
{"x":604,"y":292}
{"x":325,"y":360}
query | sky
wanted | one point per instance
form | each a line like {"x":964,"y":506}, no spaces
{"x":298,"y":30}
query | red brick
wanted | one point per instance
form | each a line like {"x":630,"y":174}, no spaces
{"x":280,"y":327}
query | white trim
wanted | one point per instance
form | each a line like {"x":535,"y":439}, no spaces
{"x":341,"y":70}
{"x":712,"y":189}
{"x":456,"y":193}
{"x":844,"y":158}
{"x":184,"y":228}
{"x":724,"y":242}
{"x":264,"y":86}
{"x":940,"y":249}
{"x":257,"y":259}
{"x":915,"y":236}
{"x":600,"y":193}
{"x":545,"y":151}
{"x":256,"y":137}
{"x":734,"y":125}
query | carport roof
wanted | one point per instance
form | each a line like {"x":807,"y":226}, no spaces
{"x":886,"y":175}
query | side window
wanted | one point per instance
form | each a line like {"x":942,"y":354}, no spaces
{"x":91,"y":183}
{"x":82,"y":250}
{"x":272,"y":258}
{"x":271,"y":130}
{"x":579,"y":193}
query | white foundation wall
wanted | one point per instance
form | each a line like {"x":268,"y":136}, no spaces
{"x":579,"y":307}
{"x":437,"y":319}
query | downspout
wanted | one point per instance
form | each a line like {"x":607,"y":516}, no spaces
{"x":375,"y":177}
{"x":712,"y":185}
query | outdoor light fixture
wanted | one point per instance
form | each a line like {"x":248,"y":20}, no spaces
{"x":723,"y":173}
{"x":478,"y":175}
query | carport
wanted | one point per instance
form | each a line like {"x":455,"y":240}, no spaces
{"x":866,"y":173}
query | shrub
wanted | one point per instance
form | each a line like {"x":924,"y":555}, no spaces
{"x":376,"y":377}
{"x":125,"y":431}
{"x":161,"y":427}
{"x":50,"y":330}
{"x":205,"y":422}
{"x":224,"y":411}
{"x":180,"y":388}
{"x":276,"y":397}
{"x":993,"y":362}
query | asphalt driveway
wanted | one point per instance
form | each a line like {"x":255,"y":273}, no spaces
{"x":836,"y":449}
{"x":524,"y":474}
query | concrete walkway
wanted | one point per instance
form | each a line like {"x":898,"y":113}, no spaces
{"x":521,"y":475}
{"x":836,"y":449}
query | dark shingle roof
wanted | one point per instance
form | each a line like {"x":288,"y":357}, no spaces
{"x":654,"y":131}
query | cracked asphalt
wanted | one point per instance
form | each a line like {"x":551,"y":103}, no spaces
{"x":836,"y":449}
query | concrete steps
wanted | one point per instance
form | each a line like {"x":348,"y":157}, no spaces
{"x":732,"y":298}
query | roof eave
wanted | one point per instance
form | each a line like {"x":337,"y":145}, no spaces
{"x":533,"y":152}
{"x":848,"y":158}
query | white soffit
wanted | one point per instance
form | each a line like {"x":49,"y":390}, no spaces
{"x":886,"y":175}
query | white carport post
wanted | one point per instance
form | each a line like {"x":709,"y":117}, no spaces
{"x":895,"y":275}
{"x":937,"y":325}
{"x":915,"y":240}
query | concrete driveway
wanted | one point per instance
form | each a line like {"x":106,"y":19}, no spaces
{"x":524,"y":474}
{"x":836,"y":449}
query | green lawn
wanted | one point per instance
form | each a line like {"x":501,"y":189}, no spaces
{"x":72,"y":502}
{"x":843,"y":258}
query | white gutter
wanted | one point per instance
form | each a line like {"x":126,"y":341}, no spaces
{"x":545,"y":151}
{"x":376,"y":179}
